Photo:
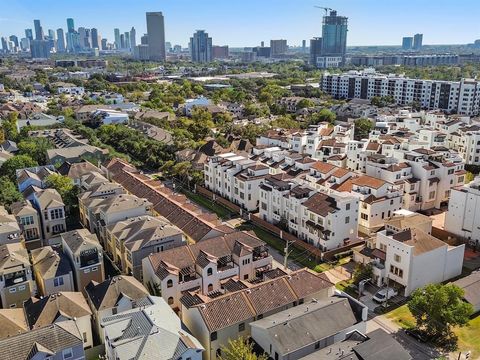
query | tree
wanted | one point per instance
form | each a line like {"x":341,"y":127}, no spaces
{"x":240,"y":349}
{"x":8,"y":192}
{"x":305,"y":103}
{"x":36,"y":148}
{"x":10,"y":166}
{"x":362,"y":272}
{"x":437,"y":308}
{"x":9,"y":126}
{"x":65,"y":187}
{"x":363,"y":127}
{"x":285,"y":122}
{"x":324,"y":115}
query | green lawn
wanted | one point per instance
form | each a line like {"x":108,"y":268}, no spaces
{"x":208,"y":204}
{"x":468,"y":336}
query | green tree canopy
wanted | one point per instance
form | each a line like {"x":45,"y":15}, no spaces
{"x":363,"y":127}
{"x":437,"y":308}
{"x":9,"y":126}
{"x":240,"y":349}
{"x":36,"y":148}
{"x":8,"y":192}
{"x":10,"y":166}
{"x":65,"y":187}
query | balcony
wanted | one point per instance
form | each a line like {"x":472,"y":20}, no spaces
{"x":15,"y":278}
{"x":89,"y":257}
{"x":276,"y":217}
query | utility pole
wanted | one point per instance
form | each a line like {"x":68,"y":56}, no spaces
{"x":287,"y":253}
{"x":386,"y":295}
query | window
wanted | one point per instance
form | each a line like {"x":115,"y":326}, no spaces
{"x":58,"y":281}
{"x":12,"y":290}
{"x":347,"y":219}
{"x":169,"y":283}
{"x":245,"y":277}
{"x":56,"y":214}
{"x":347,"y":207}
{"x":85,"y":337}
{"x":22,"y":287}
{"x":27,"y":220}
{"x":213,"y":336}
{"x":170,"y":300}
{"x":209,"y":272}
{"x":241,"y":327}
{"x":210,"y":287}
{"x":364,"y":216}
{"x":397,"y":258}
{"x":431,"y":195}
{"x":67,"y":353}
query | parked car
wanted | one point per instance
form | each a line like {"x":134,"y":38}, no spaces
{"x":384,"y":294}
{"x":416,"y":335}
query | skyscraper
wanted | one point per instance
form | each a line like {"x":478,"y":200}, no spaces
{"x":29,"y":34}
{"x":156,"y":36}
{"x":144,"y":39}
{"x":334,"y":35}
{"x":4,"y":45}
{"x":133,"y":38}
{"x":417,"y":41}
{"x":70,"y":25}
{"x":61,"y":48}
{"x":95,"y":38}
{"x":14,"y":39}
{"x":127,"y":40}
{"x":116,"y":33}
{"x":304,"y":46}
{"x":40,"y":49}
{"x":38,"y":30}
{"x":104,"y":44}
{"x":201,"y":47}
{"x":122,"y":41}
{"x":315,"y":50}
{"x":407,"y":43}
{"x":278,"y":47}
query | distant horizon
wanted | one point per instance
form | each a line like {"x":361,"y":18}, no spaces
{"x":247,"y":23}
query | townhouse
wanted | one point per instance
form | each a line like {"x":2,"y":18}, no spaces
{"x":215,"y":320}
{"x":16,"y":281}
{"x":460,"y":97}
{"x":76,"y":171}
{"x":60,"y":307}
{"x":10,"y":232}
{"x":154,"y":331}
{"x":406,"y":256}
{"x":85,"y":255}
{"x":29,"y":221}
{"x":206,"y":265}
{"x":235,"y":178}
{"x":463,"y":208}
{"x":129,"y":241}
{"x":57,"y":342}
{"x":35,"y":176}
{"x":52,"y":271}
{"x":114,"y":296}
{"x":51,"y":209}
{"x":466,"y":140}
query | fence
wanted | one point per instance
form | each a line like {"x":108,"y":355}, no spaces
{"x":218,"y":199}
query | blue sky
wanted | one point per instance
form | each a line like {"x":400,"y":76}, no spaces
{"x":247,"y":22}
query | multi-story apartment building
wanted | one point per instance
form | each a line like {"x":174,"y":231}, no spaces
{"x":236,"y":178}
{"x":216,"y":319}
{"x":463,"y":208}
{"x":129,"y":241}
{"x":29,"y":221}
{"x":462,"y":97}
{"x":466,"y":140}
{"x":85,"y":255}
{"x":16,"y":281}
{"x":206,"y":265}
{"x":327,"y":219}
{"x":378,"y":200}
{"x":51,"y":210}
{"x":405,"y":255}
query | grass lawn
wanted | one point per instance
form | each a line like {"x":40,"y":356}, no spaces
{"x":208,"y":204}
{"x":468,"y":336}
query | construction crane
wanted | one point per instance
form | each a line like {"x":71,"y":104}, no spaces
{"x":324,"y":8}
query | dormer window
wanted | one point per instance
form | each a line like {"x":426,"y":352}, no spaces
{"x":209,"y":272}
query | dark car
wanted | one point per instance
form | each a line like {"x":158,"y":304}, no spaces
{"x":416,"y":335}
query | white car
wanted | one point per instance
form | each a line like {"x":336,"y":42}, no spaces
{"x":384,"y":294}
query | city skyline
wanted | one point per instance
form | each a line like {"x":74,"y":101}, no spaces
{"x":269,"y":21}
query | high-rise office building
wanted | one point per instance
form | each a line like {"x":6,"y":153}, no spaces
{"x":156,"y":36}
{"x":4,"y":45}
{"x":116,"y":33}
{"x":334,"y":35}
{"x":304,"y":46}
{"x":38,"y":30}
{"x":122,"y":41}
{"x":104,"y":44}
{"x":70,"y":25}
{"x":29,"y":34}
{"x":278,"y":47}
{"x":407,"y":43}
{"x":417,"y":41}
{"x":220,"y":52}
{"x":333,"y":43}
{"x":262,"y":44}
{"x":40,"y":49}
{"x":144,"y":39}
{"x":25,"y":44}
{"x":61,"y":48}
{"x":127,"y":40}
{"x":51,"y":34}
{"x":133,"y":38}
{"x":315,"y":50}
{"x":95,"y":38}
{"x":168,"y":46}
{"x":201,"y":47}
{"x":14,"y":40}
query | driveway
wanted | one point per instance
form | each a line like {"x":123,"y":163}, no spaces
{"x":278,"y":260}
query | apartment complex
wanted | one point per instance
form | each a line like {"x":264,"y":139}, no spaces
{"x":462,"y":97}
